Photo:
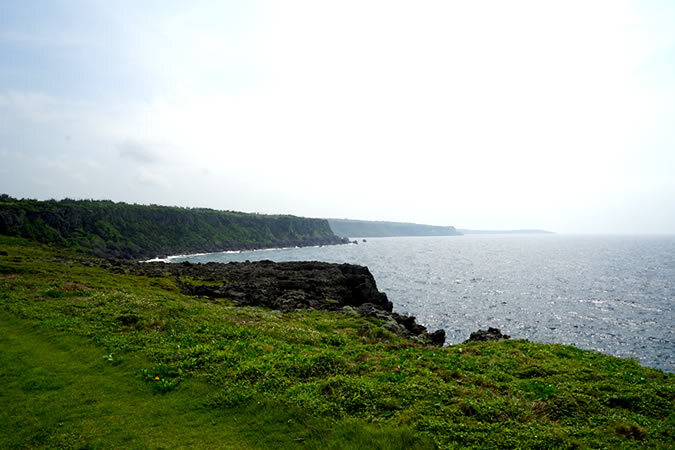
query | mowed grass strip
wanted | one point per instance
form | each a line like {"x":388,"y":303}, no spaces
{"x":59,"y":391}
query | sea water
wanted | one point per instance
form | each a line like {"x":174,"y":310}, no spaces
{"x":612,"y":294}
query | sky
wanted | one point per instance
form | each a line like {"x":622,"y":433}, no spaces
{"x":483,"y":114}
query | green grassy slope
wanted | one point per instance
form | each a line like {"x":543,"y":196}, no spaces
{"x":106,"y":228}
{"x":100,"y":359}
{"x":59,"y":392}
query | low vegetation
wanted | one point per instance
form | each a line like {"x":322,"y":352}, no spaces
{"x":94,"y":358}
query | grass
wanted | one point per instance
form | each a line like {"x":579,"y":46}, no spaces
{"x":92,"y":358}
{"x":60,"y":392}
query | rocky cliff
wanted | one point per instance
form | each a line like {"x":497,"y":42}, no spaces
{"x":287,"y":286}
{"x":109,"y":229}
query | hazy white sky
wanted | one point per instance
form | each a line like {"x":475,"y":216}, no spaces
{"x":483,"y":114}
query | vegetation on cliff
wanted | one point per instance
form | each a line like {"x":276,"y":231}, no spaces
{"x":366,"y":228}
{"x":106,"y":228}
{"x":94,"y":358}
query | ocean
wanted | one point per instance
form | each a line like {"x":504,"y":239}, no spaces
{"x":612,"y":294}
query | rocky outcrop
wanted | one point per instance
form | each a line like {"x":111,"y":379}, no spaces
{"x":406,"y":326}
{"x":491,"y":334}
{"x":288,"y":286}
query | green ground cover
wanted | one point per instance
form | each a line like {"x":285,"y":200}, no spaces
{"x":91,"y":358}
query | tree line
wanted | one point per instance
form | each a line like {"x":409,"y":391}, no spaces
{"x":116,"y":229}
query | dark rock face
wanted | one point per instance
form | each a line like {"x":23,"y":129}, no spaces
{"x":288,"y":286}
{"x":491,"y":334}
{"x":437,"y":338}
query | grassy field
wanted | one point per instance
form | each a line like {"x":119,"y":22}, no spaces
{"x":89,"y":358}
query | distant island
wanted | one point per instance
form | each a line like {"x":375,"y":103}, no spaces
{"x":367,"y":228}
{"x":465,"y":231}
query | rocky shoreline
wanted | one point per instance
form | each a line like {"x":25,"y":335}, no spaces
{"x":166,"y":258}
{"x":168,"y":251}
{"x":287,"y":286}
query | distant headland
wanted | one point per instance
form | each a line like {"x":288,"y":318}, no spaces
{"x":370,"y":228}
{"x":367,"y":228}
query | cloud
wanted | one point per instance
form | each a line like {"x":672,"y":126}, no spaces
{"x":61,"y":166}
{"x":499,"y":114}
{"x":138,"y":152}
{"x":152,"y":179}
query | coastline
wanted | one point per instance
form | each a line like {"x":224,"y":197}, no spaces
{"x":207,"y":353}
{"x":566,"y":308}
{"x":168,"y":259}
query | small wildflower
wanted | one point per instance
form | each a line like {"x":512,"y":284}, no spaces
{"x":157,"y":377}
